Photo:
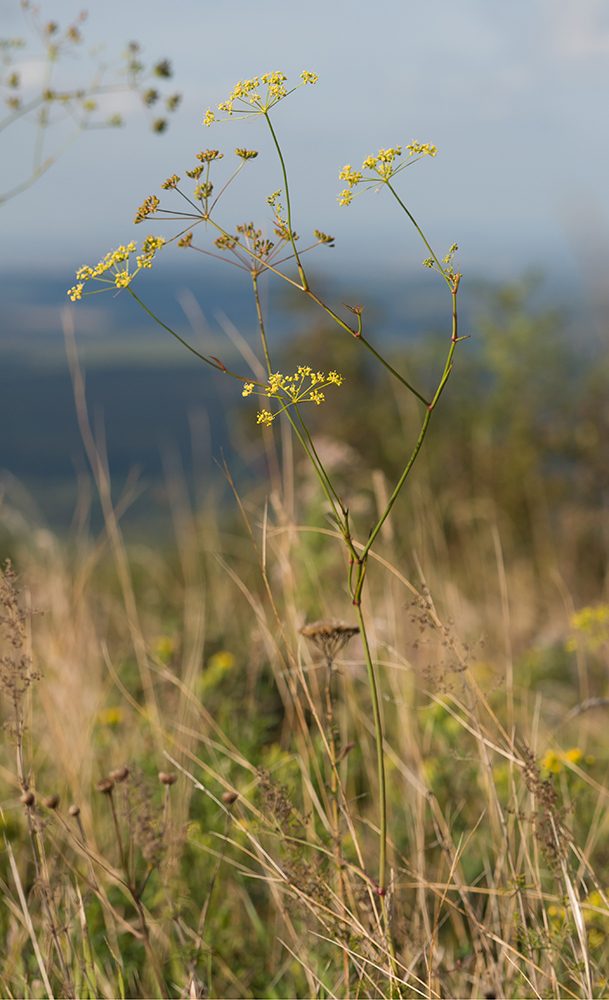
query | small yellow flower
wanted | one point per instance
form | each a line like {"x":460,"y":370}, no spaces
{"x":247,"y":97}
{"x":304,"y":386}
{"x":550,"y":762}
{"x":111,"y":716}
{"x":575,"y":755}
{"x":113,"y":270}
{"x":381,"y":167}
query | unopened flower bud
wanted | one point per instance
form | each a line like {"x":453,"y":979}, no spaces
{"x":229,"y":797}
{"x":105,"y":786}
{"x":51,"y":801}
{"x":74,"y":810}
{"x":167,"y":777}
{"x":28,"y":798}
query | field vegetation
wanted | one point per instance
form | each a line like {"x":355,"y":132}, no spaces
{"x":232,"y":768}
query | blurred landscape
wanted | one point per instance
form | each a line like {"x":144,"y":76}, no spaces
{"x":153,"y":399}
{"x":214,"y":783}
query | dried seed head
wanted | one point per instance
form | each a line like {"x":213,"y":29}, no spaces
{"x":74,"y":810}
{"x":329,"y":636}
{"x":51,"y":801}
{"x":167,"y":777}
{"x":28,"y":798}
{"x":229,"y":797}
{"x":120,"y":774}
{"x":105,"y":786}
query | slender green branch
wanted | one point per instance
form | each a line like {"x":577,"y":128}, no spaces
{"x":303,"y":277}
{"x":420,"y":232}
{"x":213,"y":362}
{"x":317,"y":458}
{"x":319,"y":469}
{"x":393,"y":371}
{"x":380,"y":756}
{"x":265,"y":348}
{"x":172,"y":332}
{"x":398,"y":487}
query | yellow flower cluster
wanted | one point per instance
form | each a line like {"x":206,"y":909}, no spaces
{"x":590,"y":625}
{"x":245,"y":94}
{"x":117,"y":263}
{"x":383,"y":167}
{"x":552,"y":762}
{"x":304,"y":386}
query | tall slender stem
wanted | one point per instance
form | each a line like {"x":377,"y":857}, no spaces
{"x":380,"y":756}
{"x":303,"y":277}
{"x":261,"y":322}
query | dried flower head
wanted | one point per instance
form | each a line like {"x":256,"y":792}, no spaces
{"x":167,"y":777}
{"x":74,"y":811}
{"x":51,"y":801}
{"x":330,"y":636}
{"x":27,"y":799}
{"x":105,"y":786}
{"x":120,"y":774}
{"x":229,"y":797}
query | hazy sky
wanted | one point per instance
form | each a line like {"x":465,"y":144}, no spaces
{"x":514,"y":95}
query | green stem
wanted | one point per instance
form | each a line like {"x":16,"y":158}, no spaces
{"x":420,"y":232}
{"x":317,"y":458}
{"x":168,"y":328}
{"x":393,"y":371}
{"x":261,"y":322}
{"x":303,"y":277}
{"x":319,"y":469}
{"x":397,"y":489}
{"x":380,"y":757}
{"x":430,"y":408}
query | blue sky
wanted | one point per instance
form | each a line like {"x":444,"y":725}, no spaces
{"x":514,"y":96}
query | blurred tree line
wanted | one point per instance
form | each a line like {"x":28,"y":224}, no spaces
{"x":522,"y":430}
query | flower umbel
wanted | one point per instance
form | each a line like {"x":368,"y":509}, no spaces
{"x":381,"y":168}
{"x":304,"y":386}
{"x":247,"y":98}
{"x":113,"y":270}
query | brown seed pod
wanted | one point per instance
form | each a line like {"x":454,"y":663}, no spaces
{"x":229,"y":797}
{"x":105,"y":786}
{"x":51,"y":801}
{"x":28,"y":798}
{"x":119,"y":774}
{"x":74,"y":810}
{"x":167,"y":777}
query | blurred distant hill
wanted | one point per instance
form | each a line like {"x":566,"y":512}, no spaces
{"x":151,"y":397}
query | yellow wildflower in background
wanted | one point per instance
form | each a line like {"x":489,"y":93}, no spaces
{"x":112,"y":716}
{"x":591,"y":624}
{"x":217,"y":666}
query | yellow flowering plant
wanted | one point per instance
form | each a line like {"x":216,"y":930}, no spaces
{"x":246,"y":248}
